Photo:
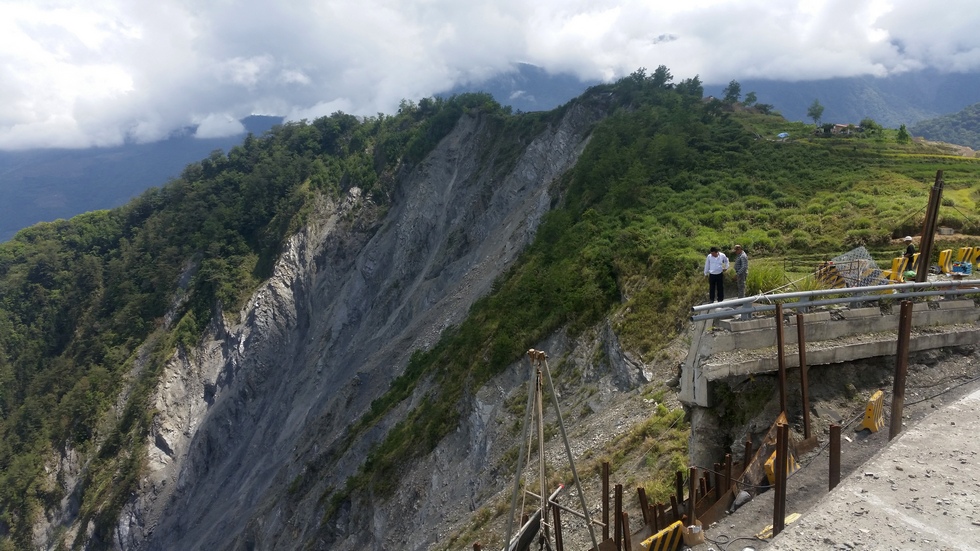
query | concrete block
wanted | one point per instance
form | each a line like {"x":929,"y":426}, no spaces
{"x":956,"y":304}
{"x":812,"y":317}
{"x":749,"y":325}
{"x":920,"y":306}
{"x":857,"y":313}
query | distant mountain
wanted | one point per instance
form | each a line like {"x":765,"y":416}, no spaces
{"x":890,"y":101}
{"x":43,"y":185}
{"x":529,"y":88}
{"x":961,"y":128}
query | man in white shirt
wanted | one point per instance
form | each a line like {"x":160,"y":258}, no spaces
{"x":715,"y":266}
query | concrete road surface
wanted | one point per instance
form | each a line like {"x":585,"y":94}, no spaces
{"x":921,"y":492}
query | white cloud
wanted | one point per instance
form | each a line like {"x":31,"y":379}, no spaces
{"x":75,"y":73}
{"x":218,"y":125}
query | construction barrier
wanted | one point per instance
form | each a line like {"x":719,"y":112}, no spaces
{"x":946,"y":261}
{"x":874,"y":418}
{"x":897,"y":272}
{"x":668,"y":539}
{"x":975,"y":256}
{"x":964,"y":254}
{"x":791,"y":466}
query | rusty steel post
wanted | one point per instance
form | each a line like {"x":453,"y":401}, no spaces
{"x":619,"y":518}
{"x":719,"y":482}
{"x":627,"y":541}
{"x":781,"y":357}
{"x":747,"y":456}
{"x":605,"y":500}
{"x":556,"y":513}
{"x":679,"y":486}
{"x":675,"y":507}
{"x":834,"y":456}
{"x":804,"y":382}
{"x":728,"y":471}
{"x":901,"y":368}
{"x":641,"y":494}
{"x":779,"y":497}
{"x":692,"y":514}
{"x":929,"y":229}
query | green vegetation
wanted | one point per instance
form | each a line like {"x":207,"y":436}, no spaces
{"x":962,"y":128}
{"x":664,"y":177}
{"x":815,"y":112}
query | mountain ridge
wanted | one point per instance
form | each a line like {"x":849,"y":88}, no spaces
{"x":317,"y":338}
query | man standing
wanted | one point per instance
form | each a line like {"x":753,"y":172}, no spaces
{"x":715,"y":266}
{"x":741,"y":270}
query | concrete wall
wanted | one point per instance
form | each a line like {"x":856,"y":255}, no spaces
{"x":729,"y":348}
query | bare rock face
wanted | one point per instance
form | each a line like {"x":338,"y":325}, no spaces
{"x":247,"y":440}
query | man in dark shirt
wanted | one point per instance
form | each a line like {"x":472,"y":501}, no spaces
{"x":909,"y":252}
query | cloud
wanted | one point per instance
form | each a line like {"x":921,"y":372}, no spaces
{"x":81,"y":74}
{"x":219,"y":126}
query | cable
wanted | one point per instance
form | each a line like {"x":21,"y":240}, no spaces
{"x":729,"y":540}
{"x":940,"y":393}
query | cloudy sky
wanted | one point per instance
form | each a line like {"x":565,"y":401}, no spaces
{"x":81,"y":73}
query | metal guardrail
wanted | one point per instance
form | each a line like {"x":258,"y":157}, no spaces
{"x":807,"y":299}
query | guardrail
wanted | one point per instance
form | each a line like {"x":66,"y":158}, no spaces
{"x":801,"y":300}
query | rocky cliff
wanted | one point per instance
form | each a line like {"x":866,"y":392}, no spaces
{"x":246,"y":443}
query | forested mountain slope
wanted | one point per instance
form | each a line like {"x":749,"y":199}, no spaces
{"x":314,"y":340}
{"x":962,"y":128}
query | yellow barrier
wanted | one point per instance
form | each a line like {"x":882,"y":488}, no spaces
{"x":975,"y":256}
{"x":897,"y":273}
{"x":791,"y":466}
{"x":964,"y":254}
{"x":668,"y":539}
{"x":874,"y":418}
{"x":946,"y":261}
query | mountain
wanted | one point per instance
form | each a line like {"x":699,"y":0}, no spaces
{"x":528,"y":87}
{"x":47,"y":184}
{"x":891,"y":101}
{"x":962,"y":128}
{"x":319,"y":338}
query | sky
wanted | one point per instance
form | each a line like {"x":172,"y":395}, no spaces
{"x":80,"y":73}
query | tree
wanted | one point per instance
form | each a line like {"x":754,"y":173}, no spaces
{"x":815,"y":112}
{"x":732,"y":92}
{"x":871,"y":127}
{"x":662,"y":77}
{"x":691,"y":87}
{"x":750,"y":98}
{"x":903,"y":135}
